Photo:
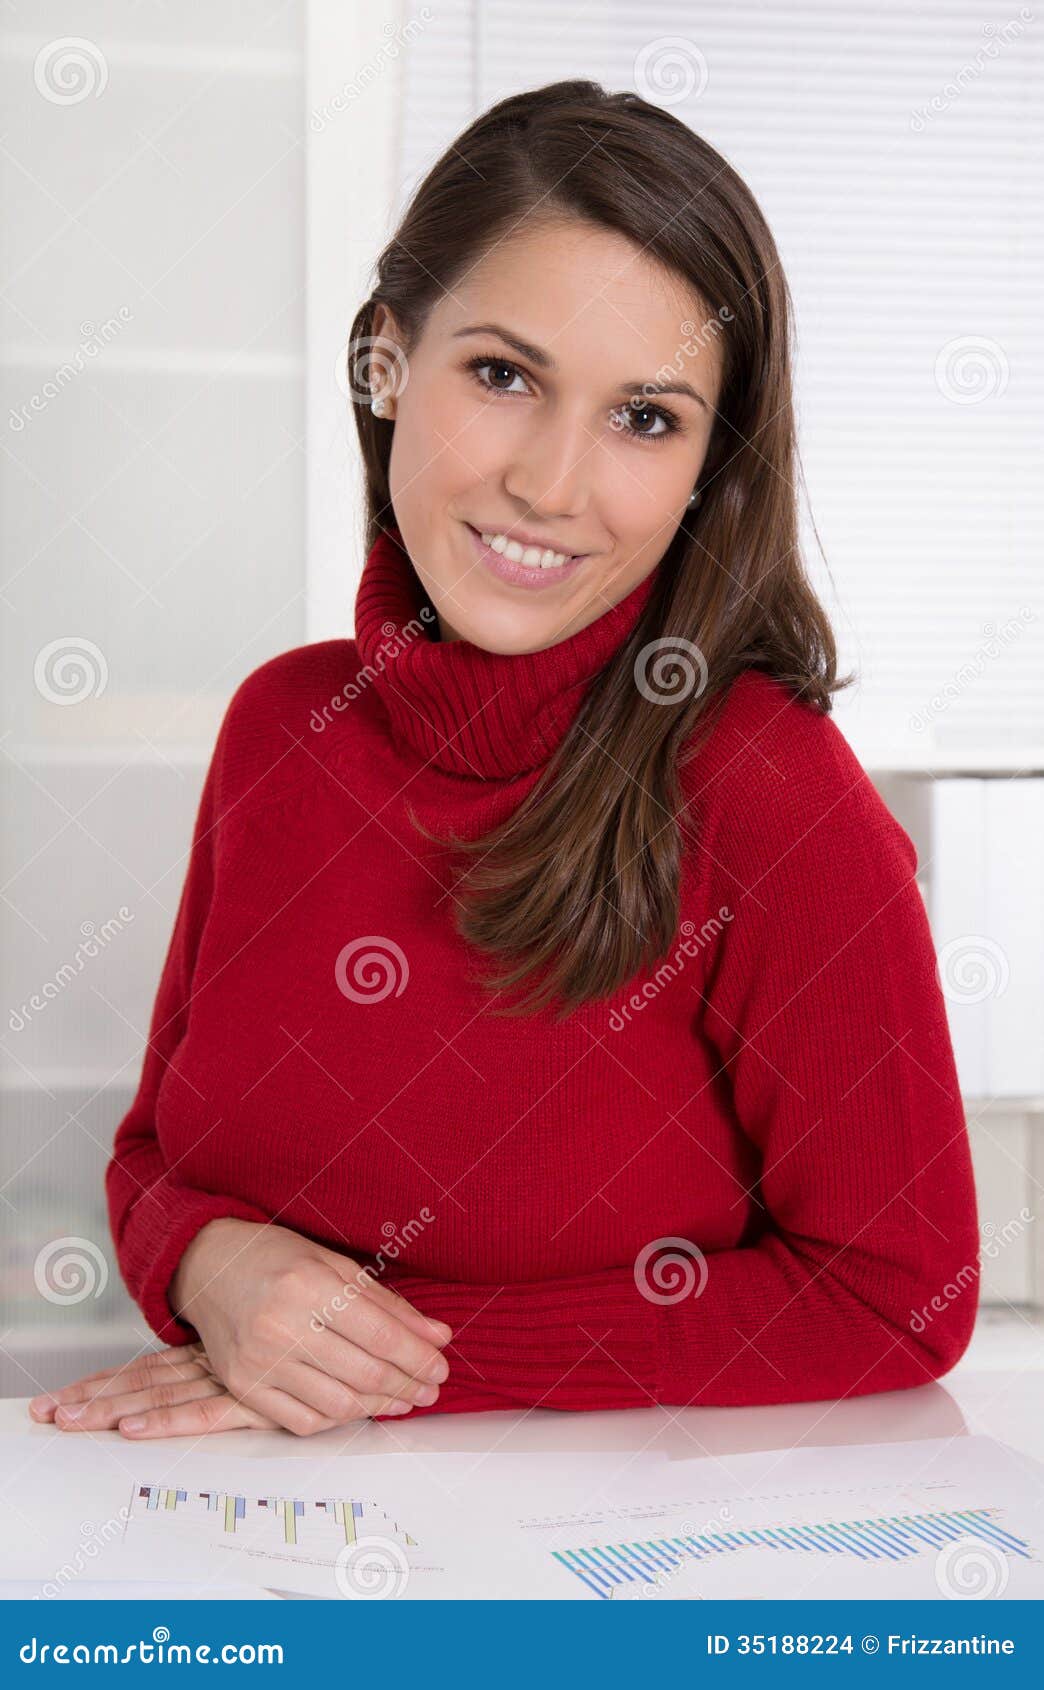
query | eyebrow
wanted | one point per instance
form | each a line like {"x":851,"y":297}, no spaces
{"x":544,"y":361}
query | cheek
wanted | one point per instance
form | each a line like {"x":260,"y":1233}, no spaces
{"x":643,"y":496}
{"x":442,"y":440}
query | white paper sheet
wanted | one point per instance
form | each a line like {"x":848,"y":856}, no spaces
{"x":80,"y":1509}
{"x":937,"y":1518}
{"x":132,"y":1590}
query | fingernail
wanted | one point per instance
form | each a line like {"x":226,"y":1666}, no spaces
{"x":42,"y":1405}
{"x":133,"y":1423}
{"x":70,"y":1413}
{"x":441,"y":1328}
{"x":399,"y":1407}
{"x":427,"y":1394}
{"x":438,"y":1370}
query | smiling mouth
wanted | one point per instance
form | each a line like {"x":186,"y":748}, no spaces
{"x":524,"y":556}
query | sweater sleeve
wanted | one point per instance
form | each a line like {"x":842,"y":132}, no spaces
{"x":153,"y":1215}
{"x":823,"y":1009}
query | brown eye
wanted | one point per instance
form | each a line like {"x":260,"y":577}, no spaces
{"x":479,"y":365}
{"x":649,"y":415}
{"x":623,"y":422}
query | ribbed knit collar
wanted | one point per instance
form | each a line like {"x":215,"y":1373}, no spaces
{"x":470,"y":711}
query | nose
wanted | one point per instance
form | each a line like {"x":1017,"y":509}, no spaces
{"x":551,"y":468}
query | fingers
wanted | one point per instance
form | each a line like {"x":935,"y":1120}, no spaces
{"x":408,"y":1368}
{"x":138,"y":1377}
{"x":366,"y":1284}
{"x":185,"y":1361}
{"x":339,"y":1399}
{"x":151,"y":1358}
{"x":222,"y":1412}
{"x":394,"y":1353}
{"x":435,"y":1331}
{"x":217,"y":1412}
{"x":187,"y":1407}
{"x":103,"y":1412}
{"x":333,"y":1401}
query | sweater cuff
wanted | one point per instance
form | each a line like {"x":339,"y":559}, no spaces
{"x":166,"y":1219}
{"x":582,"y":1343}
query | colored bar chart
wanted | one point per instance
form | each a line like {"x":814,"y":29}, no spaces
{"x":350,"y":1514}
{"x":604,"y":1568}
{"x":295,"y":1520}
{"x":162,"y":1496}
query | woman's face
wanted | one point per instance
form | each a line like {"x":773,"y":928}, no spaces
{"x":544,"y":429}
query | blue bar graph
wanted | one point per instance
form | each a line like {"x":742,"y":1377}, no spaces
{"x":896,"y":1537}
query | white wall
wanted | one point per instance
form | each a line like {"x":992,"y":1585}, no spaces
{"x":191,"y":211}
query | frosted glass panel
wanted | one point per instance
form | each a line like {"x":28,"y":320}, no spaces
{"x":152,"y":554}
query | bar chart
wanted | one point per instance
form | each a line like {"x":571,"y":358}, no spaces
{"x":318,"y":1523}
{"x":606,"y":1567}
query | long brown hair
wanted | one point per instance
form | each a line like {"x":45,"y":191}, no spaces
{"x":579,"y":887}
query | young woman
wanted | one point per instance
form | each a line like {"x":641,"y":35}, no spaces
{"x":551,"y":1015}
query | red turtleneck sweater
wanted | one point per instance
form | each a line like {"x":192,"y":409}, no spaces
{"x":780,"y":1097}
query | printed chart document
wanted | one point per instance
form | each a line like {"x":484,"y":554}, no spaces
{"x":938,"y":1518}
{"x":958,"y":1517}
{"x":340,"y":1527}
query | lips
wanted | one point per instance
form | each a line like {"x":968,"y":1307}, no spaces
{"x":532,"y":577}
{"x":542,"y":545}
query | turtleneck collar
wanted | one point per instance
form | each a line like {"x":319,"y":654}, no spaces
{"x":467,"y":710}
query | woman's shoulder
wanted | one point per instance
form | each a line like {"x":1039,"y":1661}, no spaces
{"x":272,"y":732}
{"x":294,"y":683}
{"x":775,"y":773}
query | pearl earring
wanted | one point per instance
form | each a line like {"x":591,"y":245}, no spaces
{"x":378,"y":406}
{"x":695,"y":496}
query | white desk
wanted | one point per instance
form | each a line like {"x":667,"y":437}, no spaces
{"x":1004,"y":1400}
{"x":1002,"y":1403}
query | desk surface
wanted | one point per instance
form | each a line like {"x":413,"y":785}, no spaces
{"x":1005,"y":1403}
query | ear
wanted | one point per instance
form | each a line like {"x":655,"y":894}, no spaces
{"x":385,"y":324}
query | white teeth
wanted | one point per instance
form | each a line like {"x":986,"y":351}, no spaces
{"x":531,"y":556}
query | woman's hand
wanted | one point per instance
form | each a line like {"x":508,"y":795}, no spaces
{"x":299,"y":1333}
{"x":163,"y":1383}
{"x":171,"y":1392}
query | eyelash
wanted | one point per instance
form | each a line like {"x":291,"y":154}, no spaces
{"x":483,"y":361}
